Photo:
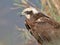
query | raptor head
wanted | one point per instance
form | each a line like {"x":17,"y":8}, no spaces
{"x":28,"y":12}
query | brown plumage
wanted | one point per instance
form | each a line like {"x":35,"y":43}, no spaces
{"x":42,"y":27}
{"x":42,"y":31}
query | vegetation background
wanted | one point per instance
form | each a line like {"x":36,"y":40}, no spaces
{"x":12,"y":29}
{"x":49,"y":7}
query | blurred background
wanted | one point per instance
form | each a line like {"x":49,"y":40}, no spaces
{"x":10,"y":18}
{"x":8,"y":22}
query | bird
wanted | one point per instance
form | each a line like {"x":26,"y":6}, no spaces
{"x":41,"y":26}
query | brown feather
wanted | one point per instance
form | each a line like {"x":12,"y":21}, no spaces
{"x":43,"y":30}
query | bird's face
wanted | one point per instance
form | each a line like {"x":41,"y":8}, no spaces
{"x":28,"y":12}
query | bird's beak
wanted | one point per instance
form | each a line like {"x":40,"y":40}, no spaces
{"x":21,"y":14}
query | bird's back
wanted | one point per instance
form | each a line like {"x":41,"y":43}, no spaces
{"x":44,"y":31}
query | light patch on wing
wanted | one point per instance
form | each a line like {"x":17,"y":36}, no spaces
{"x":38,"y":20}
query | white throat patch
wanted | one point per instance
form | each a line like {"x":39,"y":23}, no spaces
{"x":27,"y":16}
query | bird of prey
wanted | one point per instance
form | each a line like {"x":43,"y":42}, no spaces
{"x":41,"y":26}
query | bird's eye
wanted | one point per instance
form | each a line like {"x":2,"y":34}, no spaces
{"x":28,"y":12}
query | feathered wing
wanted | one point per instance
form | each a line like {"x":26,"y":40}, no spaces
{"x":44,"y":30}
{"x":27,"y":26}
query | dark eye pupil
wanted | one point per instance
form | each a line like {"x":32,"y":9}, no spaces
{"x":28,"y":12}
